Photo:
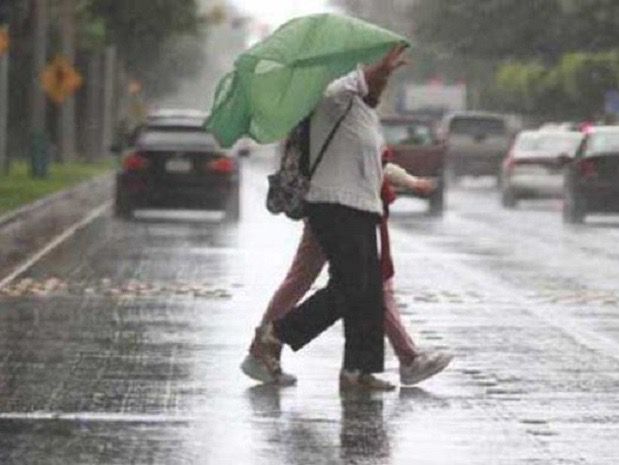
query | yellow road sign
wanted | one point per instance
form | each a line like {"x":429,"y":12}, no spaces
{"x":4,"y":40}
{"x":60,"y":79}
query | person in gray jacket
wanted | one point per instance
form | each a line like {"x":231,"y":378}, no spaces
{"x":344,"y":207}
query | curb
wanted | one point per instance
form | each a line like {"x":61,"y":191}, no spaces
{"x":33,"y":207}
{"x":33,"y":226}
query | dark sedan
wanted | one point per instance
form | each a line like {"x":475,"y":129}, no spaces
{"x":592,"y":179}
{"x":177,"y":166}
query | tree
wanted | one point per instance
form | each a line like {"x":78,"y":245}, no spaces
{"x":489,"y":29}
{"x":145,"y":31}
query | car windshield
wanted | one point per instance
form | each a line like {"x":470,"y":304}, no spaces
{"x":478,"y":125}
{"x":408,"y":134}
{"x":556,"y":144}
{"x":176,"y":136}
{"x":603,"y":143}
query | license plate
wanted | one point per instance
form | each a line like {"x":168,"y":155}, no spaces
{"x":178,"y":166}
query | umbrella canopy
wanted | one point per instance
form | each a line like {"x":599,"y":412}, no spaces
{"x":278,"y":82}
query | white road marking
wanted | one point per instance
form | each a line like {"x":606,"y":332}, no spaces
{"x":55,"y":242}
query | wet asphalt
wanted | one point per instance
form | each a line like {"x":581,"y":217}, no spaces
{"x":122,"y":345}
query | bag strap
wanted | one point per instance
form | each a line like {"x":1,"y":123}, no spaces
{"x":327,"y":142}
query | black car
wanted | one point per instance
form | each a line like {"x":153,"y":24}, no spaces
{"x":592,"y":179}
{"x":174,"y":163}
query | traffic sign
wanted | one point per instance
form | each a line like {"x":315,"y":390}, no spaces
{"x":4,"y":40}
{"x":60,"y":79}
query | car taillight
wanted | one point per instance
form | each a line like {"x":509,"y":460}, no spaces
{"x":588,"y":169}
{"x":135,"y":162}
{"x":221,"y":166}
{"x":509,"y":162}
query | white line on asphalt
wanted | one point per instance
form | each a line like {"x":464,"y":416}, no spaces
{"x":66,"y":234}
{"x":108,"y":417}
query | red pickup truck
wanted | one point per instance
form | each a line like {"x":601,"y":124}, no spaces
{"x":416,"y":148}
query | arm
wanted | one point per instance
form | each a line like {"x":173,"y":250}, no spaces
{"x":398,"y":176}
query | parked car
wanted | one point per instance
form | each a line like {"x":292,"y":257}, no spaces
{"x":534,"y":166}
{"x":416,"y":148}
{"x":174,"y":163}
{"x":592,"y":179}
{"x":476,"y":143}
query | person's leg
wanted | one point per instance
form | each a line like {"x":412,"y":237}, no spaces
{"x":348,"y":239}
{"x":264,"y":365}
{"x":396,"y":333}
{"x":305,"y":268}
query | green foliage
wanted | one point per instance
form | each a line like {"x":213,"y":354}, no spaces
{"x":488,"y":28}
{"x":19,"y":188}
{"x":554,"y":57}
{"x":573,"y":88}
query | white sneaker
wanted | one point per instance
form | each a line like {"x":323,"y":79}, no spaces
{"x":257,"y":370}
{"x":424,"y":365}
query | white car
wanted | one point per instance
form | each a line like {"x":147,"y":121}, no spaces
{"x":534,"y":166}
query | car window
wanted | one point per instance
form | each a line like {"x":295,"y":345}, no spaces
{"x":408,"y":134}
{"x":175,"y":136}
{"x":526,"y":143}
{"x":602,"y":143}
{"x":478,"y":125}
{"x":559,"y":143}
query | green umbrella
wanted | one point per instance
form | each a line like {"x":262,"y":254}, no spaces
{"x":278,"y":82}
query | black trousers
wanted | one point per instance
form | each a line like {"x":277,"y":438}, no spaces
{"x":354,"y":292}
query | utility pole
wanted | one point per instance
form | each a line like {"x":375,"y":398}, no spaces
{"x":39,"y":149}
{"x":4,"y":87}
{"x":67,"y":132}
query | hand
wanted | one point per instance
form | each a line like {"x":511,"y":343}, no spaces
{"x":377,"y":74}
{"x":424,"y":186}
{"x":394,"y":58}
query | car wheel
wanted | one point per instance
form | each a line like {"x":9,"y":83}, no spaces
{"x":573,"y":209}
{"x":508,"y":199}
{"x":452,"y":178}
{"x":122,"y":205}
{"x":436,"y":201}
{"x":233,"y":206}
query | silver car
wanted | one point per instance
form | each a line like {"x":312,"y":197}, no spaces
{"x":476,"y":143}
{"x":535,"y":164}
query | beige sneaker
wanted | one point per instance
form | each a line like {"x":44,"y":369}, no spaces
{"x":365,"y":381}
{"x":263,"y":361}
{"x":425,"y":365}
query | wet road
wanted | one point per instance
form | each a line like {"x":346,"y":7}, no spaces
{"x":122,"y":345}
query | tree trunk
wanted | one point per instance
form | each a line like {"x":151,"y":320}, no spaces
{"x":67,"y":132}
{"x":109,"y":89}
{"x":39,"y":102}
{"x":5,"y":162}
{"x":94,"y":115}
